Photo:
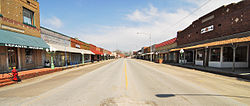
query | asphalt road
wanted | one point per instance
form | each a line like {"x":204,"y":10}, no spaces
{"x":129,"y":82}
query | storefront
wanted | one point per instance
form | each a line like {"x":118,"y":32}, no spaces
{"x":163,"y":49}
{"x":222,"y":54}
{"x":20,"y":51}
{"x":58,"y":42}
{"x":219,"y":38}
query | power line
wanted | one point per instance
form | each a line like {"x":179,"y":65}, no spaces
{"x":190,"y":14}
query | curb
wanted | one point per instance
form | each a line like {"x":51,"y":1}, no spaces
{"x":230,"y":74}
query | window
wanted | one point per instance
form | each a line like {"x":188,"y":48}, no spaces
{"x":200,"y":54}
{"x":28,"y":16}
{"x":28,"y":56}
{"x":215,"y":54}
{"x":241,"y":54}
{"x":227,"y":54}
{"x":189,"y":56}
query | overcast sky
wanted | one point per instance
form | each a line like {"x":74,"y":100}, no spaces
{"x":113,"y":24}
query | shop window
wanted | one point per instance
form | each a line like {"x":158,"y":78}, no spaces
{"x":200,"y":54}
{"x":241,"y":54}
{"x":215,"y":54}
{"x":28,"y":16}
{"x":189,"y":56}
{"x":227,"y":54}
{"x":28,"y":56}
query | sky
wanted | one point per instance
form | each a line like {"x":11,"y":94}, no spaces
{"x":126,"y":25}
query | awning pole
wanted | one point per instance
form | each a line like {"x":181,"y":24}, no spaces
{"x":82,"y":58}
{"x":234,"y":50}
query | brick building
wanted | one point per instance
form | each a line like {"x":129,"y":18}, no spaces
{"x":84,"y":54}
{"x":21,"y":45}
{"x":219,"y":38}
{"x":162,"y":49}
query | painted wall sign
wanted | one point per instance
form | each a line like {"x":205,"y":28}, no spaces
{"x":207,"y":29}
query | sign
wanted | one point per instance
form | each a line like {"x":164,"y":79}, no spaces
{"x":21,"y":46}
{"x":207,"y":29}
{"x":77,"y":46}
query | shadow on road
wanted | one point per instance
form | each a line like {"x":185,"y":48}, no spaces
{"x":172,"y":95}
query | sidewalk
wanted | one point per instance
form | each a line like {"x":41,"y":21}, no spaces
{"x":243,"y":73}
{"x":6,"y":79}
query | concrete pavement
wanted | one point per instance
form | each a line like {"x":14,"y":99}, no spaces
{"x":129,"y":82}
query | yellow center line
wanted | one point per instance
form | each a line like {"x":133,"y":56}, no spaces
{"x":126,"y":76}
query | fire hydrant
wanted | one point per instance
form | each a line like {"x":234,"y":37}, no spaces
{"x":15,"y":74}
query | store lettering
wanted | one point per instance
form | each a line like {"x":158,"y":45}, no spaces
{"x":21,"y":46}
{"x":14,"y":45}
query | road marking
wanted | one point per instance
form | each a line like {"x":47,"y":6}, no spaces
{"x":126,"y":76}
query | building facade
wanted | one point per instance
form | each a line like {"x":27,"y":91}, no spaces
{"x":163,"y":49}
{"x":61,"y":45}
{"x":219,"y":38}
{"x":21,"y":45}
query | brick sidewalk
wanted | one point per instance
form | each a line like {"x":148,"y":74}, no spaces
{"x":6,"y":79}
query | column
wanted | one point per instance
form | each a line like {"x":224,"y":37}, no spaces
{"x":19,"y":58}
{"x":82,"y":58}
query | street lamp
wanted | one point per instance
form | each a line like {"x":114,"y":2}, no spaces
{"x":51,"y":51}
{"x":182,"y":56}
{"x":149,"y":42}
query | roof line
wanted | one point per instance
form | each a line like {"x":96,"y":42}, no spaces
{"x":55,"y":31}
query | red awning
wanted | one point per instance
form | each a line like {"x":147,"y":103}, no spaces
{"x":97,"y":52}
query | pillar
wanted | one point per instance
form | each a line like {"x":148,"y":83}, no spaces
{"x":82,"y":58}
{"x":52,"y":60}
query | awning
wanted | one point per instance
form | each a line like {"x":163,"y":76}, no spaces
{"x":223,"y":42}
{"x":97,"y":52}
{"x":88,"y":52}
{"x":150,"y":53}
{"x":13,"y":39}
{"x":55,"y":47}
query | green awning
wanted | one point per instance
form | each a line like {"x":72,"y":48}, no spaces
{"x":13,"y":39}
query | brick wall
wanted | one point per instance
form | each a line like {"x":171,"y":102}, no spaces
{"x":227,"y":20}
{"x":12,"y":11}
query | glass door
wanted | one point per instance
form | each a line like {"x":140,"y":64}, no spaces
{"x":12,"y":58}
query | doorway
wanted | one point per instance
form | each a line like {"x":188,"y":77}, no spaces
{"x":12,"y":58}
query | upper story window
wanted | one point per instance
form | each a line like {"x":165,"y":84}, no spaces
{"x":28,"y":16}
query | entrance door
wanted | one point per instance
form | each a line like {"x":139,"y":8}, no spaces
{"x":12,"y":57}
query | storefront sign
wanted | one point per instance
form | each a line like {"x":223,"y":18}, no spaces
{"x":77,"y":46}
{"x":207,"y":29}
{"x":21,"y":46}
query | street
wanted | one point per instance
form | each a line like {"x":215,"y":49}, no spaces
{"x":128,"y":82}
